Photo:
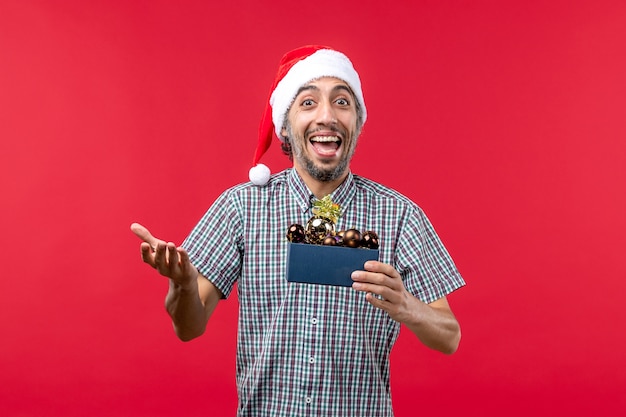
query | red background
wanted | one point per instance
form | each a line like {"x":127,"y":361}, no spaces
{"x":505,"y":121}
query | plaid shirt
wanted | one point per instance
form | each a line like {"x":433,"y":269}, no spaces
{"x":304,"y":349}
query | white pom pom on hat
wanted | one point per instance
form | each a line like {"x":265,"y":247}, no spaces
{"x":297,"y":68}
{"x":259,"y":174}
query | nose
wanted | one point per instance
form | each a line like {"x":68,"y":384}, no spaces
{"x":326,"y":113}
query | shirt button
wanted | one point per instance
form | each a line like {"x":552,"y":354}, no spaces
{"x":308,"y":400}
{"x":313,"y":321}
{"x":311,"y":360}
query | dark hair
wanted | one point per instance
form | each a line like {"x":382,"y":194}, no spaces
{"x":285,"y":146}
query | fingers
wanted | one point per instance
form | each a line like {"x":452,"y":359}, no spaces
{"x":173,"y":262}
{"x":140,"y":231}
{"x":187,"y":269}
{"x":165,"y":257}
{"x":379,"y":279}
{"x":183,"y":256}
{"x":159,"y":255}
{"x":147,"y":254}
{"x":385,"y":269}
{"x":383,"y":288}
{"x":377,"y":273}
{"x":164,"y":260}
{"x":377,"y":302}
{"x":144,"y":234}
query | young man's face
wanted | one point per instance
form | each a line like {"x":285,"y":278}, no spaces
{"x":322,"y":128}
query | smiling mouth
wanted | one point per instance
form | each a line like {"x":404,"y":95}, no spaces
{"x":325,"y":145}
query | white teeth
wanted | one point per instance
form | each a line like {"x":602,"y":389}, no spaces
{"x":325,"y":139}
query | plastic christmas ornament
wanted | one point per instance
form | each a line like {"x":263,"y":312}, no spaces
{"x":295,"y":233}
{"x":370,"y":240}
{"x":352,"y":238}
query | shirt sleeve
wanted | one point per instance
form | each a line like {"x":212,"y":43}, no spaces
{"x":425,"y":265}
{"x":215,"y":244}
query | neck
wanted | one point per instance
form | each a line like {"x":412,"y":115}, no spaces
{"x":320,"y":189}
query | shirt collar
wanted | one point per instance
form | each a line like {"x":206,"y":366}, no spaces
{"x":342,"y":195}
{"x":299,"y":190}
{"x":345,"y":192}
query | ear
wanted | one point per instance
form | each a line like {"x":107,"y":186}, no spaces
{"x":283,"y":132}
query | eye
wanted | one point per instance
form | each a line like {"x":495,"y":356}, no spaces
{"x":308,"y":102}
{"x":342,"y":102}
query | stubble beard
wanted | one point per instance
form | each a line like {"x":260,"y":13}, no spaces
{"x":298,"y":145}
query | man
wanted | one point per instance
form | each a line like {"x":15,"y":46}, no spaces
{"x":306,"y":349}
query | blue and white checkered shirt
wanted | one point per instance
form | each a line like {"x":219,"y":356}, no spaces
{"x":305,"y":349}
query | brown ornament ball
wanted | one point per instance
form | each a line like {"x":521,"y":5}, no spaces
{"x":296,"y":234}
{"x":329,"y":241}
{"x":370,"y":240}
{"x":352,"y":238}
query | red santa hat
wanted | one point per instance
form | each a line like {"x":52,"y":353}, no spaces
{"x":297,"y":68}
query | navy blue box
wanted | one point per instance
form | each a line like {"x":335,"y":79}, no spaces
{"x":328,"y":265}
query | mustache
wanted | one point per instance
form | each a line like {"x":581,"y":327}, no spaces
{"x":332,"y":128}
